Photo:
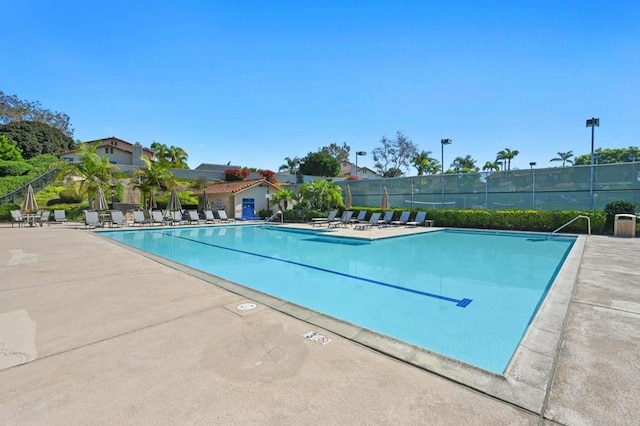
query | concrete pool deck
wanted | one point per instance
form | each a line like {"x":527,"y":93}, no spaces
{"x":91,"y":332}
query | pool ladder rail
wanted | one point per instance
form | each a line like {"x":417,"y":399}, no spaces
{"x":273,"y":216}
{"x":573,"y":220}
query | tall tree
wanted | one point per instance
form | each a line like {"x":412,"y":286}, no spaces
{"x":13,"y":109}
{"x":610,"y":156}
{"x":489,"y":166}
{"x":423,"y":162}
{"x":177,"y":157}
{"x":9,"y":150}
{"x":464,"y":165}
{"x":154,"y":175}
{"x":290,"y":165}
{"x":320,"y":164}
{"x":340,"y":153}
{"x":283,"y":198}
{"x":35,"y":138}
{"x":90,"y":172}
{"x":394,"y":155}
{"x":160,"y":151}
{"x":508,"y":155}
{"x":565,"y":157}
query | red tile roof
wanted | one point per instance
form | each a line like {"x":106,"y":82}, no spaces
{"x":236,"y":186}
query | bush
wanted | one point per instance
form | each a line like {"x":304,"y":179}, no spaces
{"x":11,"y":183}
{"x":301,"y":215}
{"x":14,"y":168}
{"x":5,"y":209}
{"x":70,"y":196}
{"x":231,"y":175}
{"x":616,"y":207}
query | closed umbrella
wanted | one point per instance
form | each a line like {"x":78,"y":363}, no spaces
{"x":384,"y":205}
{"x":101,"y":200}
{"x":30,"y":205}
{"x":202,"y":205}
{"x":152,"y":200}
{"x":174,"y":202}
{"x":347,"y":199}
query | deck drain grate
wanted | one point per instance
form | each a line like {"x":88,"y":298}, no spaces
{"x":246,"y":306}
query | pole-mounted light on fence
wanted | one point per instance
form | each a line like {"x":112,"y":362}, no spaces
{"x":443,"y":142}
{"x":533,"y":184}
{"x":593,"y":123}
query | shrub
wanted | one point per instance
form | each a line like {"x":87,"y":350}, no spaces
{"x":70,"y":196}
{"x":616,"y":207}
{"x":10,"y":183}
{"x":14,"y":168}
{"x":301,"y":215}
{"x":269,"y":175}
{"x":231,"y":175}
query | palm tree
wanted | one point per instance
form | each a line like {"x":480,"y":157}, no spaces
{"x":160,"y":151}
{"x":422,"y":162}
{"x":90,"y":172}
{"x":154,"y":175}
{"x":177,"y":157}
{"x":565,"y":157}
{"x":507,"y":154}
{"x":321,"y":195}
{"x":291,"y":165}
{"x":464,"y":165}
{"x":283,"y":197}
{"x":488,"y":166}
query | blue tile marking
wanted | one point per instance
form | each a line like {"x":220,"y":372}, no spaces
{"x":462,"y":303}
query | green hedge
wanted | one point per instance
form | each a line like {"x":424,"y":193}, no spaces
{"x":14,"y":168}
{"x":515,"y":220}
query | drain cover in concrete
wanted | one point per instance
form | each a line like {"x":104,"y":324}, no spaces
{"x":246,"y":306}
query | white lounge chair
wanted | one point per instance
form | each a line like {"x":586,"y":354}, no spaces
{"x":157,"y":218}
{"x":194,"y":217}
{"x":91,"y":218}
{"x":117,"y":218}
{"x":59,"y":216}
{"x":16,"y":217}
{"x":318,"y":221}
{"x":138,"y":218}
{"x":343,"y":221}
{"x":209,"y":217}
{"x":404,"y":218}
{"x":386,"y":220}
{"x":418,"y":221}
{"x":44,"y":218}
{"x":373,"y":221}
{"x":223,"y":216}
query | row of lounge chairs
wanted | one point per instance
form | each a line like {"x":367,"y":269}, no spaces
{"x":156,"y":217}
{"x":360,"y":221}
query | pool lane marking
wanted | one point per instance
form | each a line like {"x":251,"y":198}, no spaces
{"x":463,"y":303}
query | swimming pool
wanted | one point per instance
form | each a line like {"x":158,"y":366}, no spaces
{"x":468,"y":295}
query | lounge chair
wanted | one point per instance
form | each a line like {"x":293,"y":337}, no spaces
{"x":373,"y":221}
{"x":223,"y":216}
{"x":343,"y":221}
{"x":386,"y":220}
{"x":176,"y":218}
{"x":317,"y":221}
{"x":157,"y":218}
{"x":138,"y":218}
{"x":91,"y":218}
{"x":404,"y":218}
{"x":418,"y":221}
{"x":117,"y":218}
{"x":194,"y":217}
{"x":44,"y":218}
{"x":362,"y":214}
{"x":16,"y":217}
{"x":209,"y":217}
{"x":59,"y":216}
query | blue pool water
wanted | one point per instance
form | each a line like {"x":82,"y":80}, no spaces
{"x":469,"y":295}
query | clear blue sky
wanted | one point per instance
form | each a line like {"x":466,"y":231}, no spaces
{"x":252,"y":82}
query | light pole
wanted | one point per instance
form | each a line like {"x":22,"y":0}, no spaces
{"x":358,"y":154}
{"x":443,"y":142}
{"x":633,"y":159}
{"x":593,"y":123}
{"x":533,"y":184}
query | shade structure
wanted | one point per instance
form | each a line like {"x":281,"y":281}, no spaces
{"x":347,"y":199}
{"x":384,"y":204}
{"x":101,"y":200}
{"x":152,"y":200}
{"x":30,"y":205}
{"x":174,"y":202}
{"x":202,"y":202}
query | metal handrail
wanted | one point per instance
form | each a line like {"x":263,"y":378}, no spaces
{"x":274,"y":215}
{"x":36,"y":183}
{"x":573,"y":220}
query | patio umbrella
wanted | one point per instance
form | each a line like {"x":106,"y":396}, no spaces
{"x":174,"y":202}
{"x":384,"y":205}
{"x":30,"y":205}
{"x":152,"y":200}
{"x":347,"y":199}
{"x":101,"y":200}
{"x":202,"y":203}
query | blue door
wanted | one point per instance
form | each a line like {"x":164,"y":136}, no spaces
{"x":248,"y":208}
